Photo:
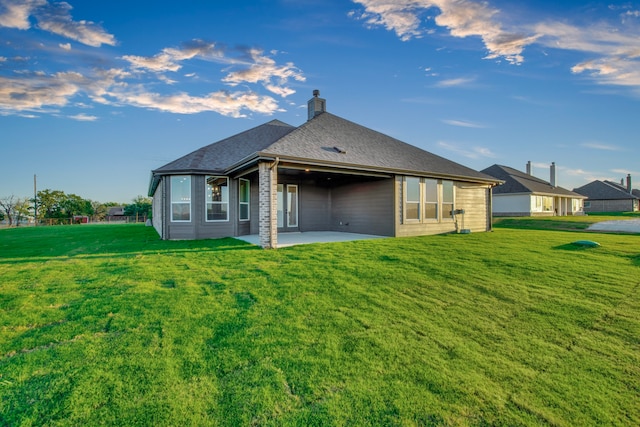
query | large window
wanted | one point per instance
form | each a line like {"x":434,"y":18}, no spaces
{"x":430,"y":199}
{"x":217,"y":198}
{"x":244,"y":198}
{"x":180,"y":198}
{"x":447,"y":199}
{"x":412,"y":198}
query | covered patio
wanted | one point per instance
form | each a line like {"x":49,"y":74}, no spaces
{"x":308,"y":237}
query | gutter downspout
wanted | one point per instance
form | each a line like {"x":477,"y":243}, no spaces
{"x":163,"y":208}
{"x":490,"y":207}
{"x":275,"y":163}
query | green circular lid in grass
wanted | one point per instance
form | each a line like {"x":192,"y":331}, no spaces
{"x":586,"y":243}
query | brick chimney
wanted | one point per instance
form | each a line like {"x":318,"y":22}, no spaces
{"x":629,"y":189}
{"x":552,"y":173}
{"x":529,"y":167}
{"x":316,"y":105}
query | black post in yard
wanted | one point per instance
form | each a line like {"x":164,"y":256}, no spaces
{"x":35,"y":202}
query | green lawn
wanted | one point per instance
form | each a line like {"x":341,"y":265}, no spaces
{"x":567,"y":223}
{"x":107,"y":325}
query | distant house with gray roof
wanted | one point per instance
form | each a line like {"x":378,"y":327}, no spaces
{"x":609,"y":196}
{"x":523,"y":194}
{"x":329,"y":174}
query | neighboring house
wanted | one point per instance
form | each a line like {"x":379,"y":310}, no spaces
{"x":608,"y":196}
{"x":115,"y":213}
{"x":328,"y":174}
{"x":522,"y":194}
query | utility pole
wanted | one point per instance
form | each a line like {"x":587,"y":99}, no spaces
{"x":35,"y":201}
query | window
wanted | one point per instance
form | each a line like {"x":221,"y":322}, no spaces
{"x":447,"y":199}
{"x":180,"y":198}
{"x":217,"y":198}
{"x":412,"y":198}
{"x":243,"y":197}
{"x":575,"y":205}
{"x":547,"y":203}
{"x":538,"y":203}
{"x":430,"y":199}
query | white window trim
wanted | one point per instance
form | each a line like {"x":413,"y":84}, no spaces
{"x":181,"y":202}
{"x":442,"y":202}
{"x":240,"y":202}
{"x":207,"y":203}
{"x":423,"y":193}
{"x":406,"y":201}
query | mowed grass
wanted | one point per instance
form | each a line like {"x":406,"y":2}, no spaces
{"x":567,"y":223}
{"x":108,"y":325}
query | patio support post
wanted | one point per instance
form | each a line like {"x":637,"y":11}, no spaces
{"x":268,"y":196}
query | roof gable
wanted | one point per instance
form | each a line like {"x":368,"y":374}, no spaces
{"x":516,"y":181}
{"x":604,"y":190}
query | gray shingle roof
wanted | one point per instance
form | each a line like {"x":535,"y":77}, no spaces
{"x":333,"y":140}
{"x":326,"y":139}
{"x":604,"y":190}
{"x":516,"y":181}
{"x":217,"y":157}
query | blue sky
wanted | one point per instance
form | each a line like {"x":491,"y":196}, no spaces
{"x":94,"y":95}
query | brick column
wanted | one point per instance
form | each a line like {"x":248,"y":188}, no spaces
{"x":268,"y":206}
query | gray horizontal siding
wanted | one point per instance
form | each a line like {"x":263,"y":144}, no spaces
{"x":365,"y":207}
{"x":315,"y":208}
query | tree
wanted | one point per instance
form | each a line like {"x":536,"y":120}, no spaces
{"x":55,"y":204}
{"x":8,"y":206}
{"x":141,"y":206}
{"x":23,"y":209}
{"x":49,"y":203}
{"x":73,"y":204}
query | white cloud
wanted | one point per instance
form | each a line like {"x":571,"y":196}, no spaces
{"x":463,"y":18}
{"x":400,"y":16}
{"x":169,"y":58}
{"x":471,"y":153}
{"x":463,"y":123}
{"x":84,"y":118}
{"x":56,"y":18}
{"x":15,"y":13}
{"x":262,"y":69}
{"x":612,"y":71}
{"x":462,"y":81}
{"x":623,"y":171}
{"x":251,"y":64}
{"x":613,"y":50}
{"x":222,"y":102}
{"x":599,"y":146}
{"x":33,"y":92}
{"x":42,"y":92}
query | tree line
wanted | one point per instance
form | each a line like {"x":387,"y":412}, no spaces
{"x":55,"y":205}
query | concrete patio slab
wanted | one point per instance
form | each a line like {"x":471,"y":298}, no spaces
{"x":307,"y":237}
